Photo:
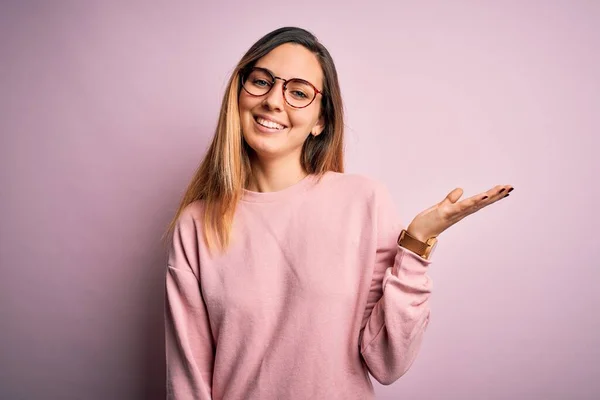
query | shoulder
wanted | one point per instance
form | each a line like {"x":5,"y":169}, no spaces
{"x":190,"y":218}
{"x":193,"y":210}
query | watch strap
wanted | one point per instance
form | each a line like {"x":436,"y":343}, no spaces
{"x":411,"y":243}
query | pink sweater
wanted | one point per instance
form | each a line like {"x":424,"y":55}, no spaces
{"x":312,"y":294}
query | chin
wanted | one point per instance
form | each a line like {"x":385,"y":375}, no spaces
{"x":265,"y":150}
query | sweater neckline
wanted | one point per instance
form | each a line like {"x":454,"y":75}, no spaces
{"x":280,"y":195}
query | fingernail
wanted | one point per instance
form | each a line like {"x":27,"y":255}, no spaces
{"x":510,"y":190}
{"x":507,"y":195}
{"x":501,"y":190}
{"x":484,"y":197}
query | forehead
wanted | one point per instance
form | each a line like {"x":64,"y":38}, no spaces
{"x":291,"y":60}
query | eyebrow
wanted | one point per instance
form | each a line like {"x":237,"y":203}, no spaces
{"x":274,"y":74}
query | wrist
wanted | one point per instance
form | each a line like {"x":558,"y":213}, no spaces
{"x":422,"y":245}
{"x":421,"y":236}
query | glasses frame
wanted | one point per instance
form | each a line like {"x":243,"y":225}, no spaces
{"x":283,"y":87}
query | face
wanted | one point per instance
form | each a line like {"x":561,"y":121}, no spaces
{"x":286,"y":61}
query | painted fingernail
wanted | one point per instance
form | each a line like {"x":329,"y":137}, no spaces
{"x":501,"y":190}
{"x":510,"y":190}
{"x":506,"y":195}
{"x":484,"y":197}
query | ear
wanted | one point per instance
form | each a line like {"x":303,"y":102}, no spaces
{"x":319,"y":126}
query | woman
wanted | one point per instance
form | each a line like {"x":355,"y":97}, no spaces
{"x":286,"y":278}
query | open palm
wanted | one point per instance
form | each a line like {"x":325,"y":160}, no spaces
{"x":449,"y":211}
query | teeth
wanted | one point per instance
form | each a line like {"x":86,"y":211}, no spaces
{"x":269,"y":124}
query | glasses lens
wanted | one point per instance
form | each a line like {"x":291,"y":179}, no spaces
{"x":299,"y":93}
{"x":258,"y":82}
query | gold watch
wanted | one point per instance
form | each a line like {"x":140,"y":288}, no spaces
{"x":423,"y":249}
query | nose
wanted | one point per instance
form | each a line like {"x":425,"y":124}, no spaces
{"x":274,"y":100}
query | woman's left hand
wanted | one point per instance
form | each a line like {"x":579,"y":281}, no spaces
{"x":446,"y":213}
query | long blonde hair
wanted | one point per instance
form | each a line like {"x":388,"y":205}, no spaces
{"x":225,"y":170}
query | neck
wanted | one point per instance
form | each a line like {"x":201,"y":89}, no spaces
{"x":274,"y":175}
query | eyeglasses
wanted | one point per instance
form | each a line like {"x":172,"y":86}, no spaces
{"x":297,"y":92}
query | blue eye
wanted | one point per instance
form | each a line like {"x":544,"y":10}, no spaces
{"x":297,"y":93}
{"x":260,"y":82}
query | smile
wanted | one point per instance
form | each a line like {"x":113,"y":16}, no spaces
{"x":270,"y":125}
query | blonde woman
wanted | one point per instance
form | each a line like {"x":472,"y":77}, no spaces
{"x":286,"y":278}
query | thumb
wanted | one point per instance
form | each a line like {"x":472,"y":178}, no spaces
{"x":454,"y":195}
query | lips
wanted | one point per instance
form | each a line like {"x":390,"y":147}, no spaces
{"x":256,"y":117}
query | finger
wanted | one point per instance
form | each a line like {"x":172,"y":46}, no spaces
{"x":470,"y":205}
{"x":454,"y":195}
{"x":493,"y":195}
{"x":479,"y":201}
{"x":499,"y":192}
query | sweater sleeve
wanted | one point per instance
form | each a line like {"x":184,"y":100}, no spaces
{"x":397,"y":311}
{"x":188,"y":338}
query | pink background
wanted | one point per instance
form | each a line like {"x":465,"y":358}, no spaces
{"x":107,"y":108}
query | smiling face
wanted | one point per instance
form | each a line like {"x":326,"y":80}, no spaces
{"x":270,"y":126}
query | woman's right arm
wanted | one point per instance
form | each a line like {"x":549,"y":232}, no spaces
{"x":188,"y":338}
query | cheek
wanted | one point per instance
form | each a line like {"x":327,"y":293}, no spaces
{"x":247,"y":103}
{"x":302,"y":120}
{"x":244,"y":103}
